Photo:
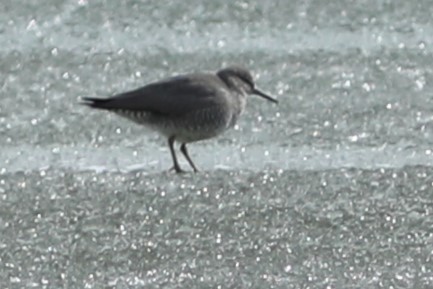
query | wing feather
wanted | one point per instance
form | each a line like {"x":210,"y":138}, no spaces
{"x":174,"y":96}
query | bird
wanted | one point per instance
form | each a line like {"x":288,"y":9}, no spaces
{"x":186,"y":108}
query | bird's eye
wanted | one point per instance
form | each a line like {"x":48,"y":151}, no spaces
{"x":247,"y":81}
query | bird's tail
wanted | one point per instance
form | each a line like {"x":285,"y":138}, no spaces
{"x":94,"y":102}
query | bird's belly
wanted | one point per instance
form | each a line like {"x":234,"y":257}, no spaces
{"x":197,"y":125}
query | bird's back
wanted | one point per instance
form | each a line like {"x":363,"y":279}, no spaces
{"x":174,"y":96}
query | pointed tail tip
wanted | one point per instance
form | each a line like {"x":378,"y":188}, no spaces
{"x":92,"y":101}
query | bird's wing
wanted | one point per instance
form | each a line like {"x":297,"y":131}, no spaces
{"x":174,"y":96}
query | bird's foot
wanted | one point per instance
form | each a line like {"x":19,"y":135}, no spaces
{"x":177,"y":170}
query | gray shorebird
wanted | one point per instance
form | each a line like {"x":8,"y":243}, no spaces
{"x":186,"y":108}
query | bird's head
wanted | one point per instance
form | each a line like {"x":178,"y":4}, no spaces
{"x":240,"y":79}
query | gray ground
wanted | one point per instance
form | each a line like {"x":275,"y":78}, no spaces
{"x":332,"y":188}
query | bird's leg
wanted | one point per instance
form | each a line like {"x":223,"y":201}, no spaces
{"x":185,"y":153}
{"x":176,"y":166}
